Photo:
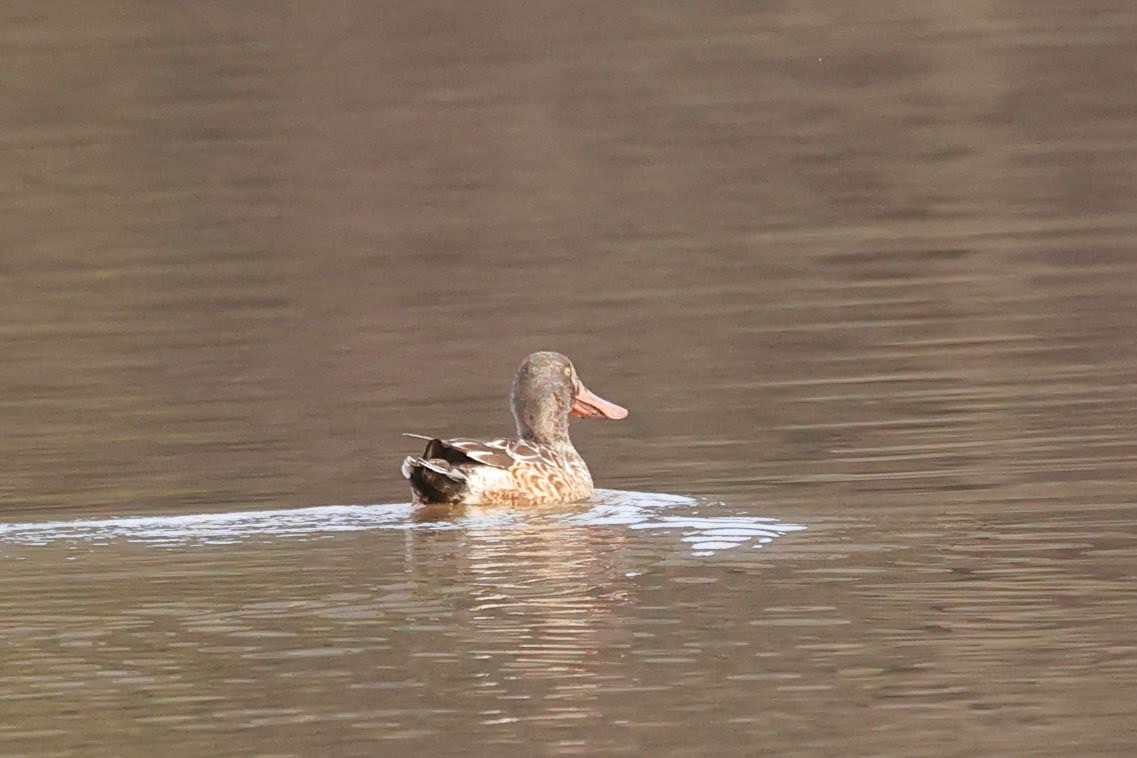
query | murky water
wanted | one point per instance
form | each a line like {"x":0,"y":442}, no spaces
{"x":865,"y":275}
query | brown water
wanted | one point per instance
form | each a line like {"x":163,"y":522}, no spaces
{"x":868,"y":269}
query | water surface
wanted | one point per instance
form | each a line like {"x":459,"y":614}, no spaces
{"x":867,"y":269}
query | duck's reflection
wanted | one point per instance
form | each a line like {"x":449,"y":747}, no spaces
{"x":539,"y":613}
{"x":540,"y":589}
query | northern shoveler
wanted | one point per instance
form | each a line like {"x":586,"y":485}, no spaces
{"x":540,"y":466}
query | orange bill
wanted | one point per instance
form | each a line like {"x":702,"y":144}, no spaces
{"x":587,"y":404}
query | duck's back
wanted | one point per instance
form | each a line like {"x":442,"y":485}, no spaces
{"x":496,"y":472}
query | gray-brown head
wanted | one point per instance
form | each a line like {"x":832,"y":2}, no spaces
{"x":545,"y":391}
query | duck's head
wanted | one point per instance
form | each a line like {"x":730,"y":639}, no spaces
{"x":546,"y":390}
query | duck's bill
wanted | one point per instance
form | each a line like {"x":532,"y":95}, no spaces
{"x":587,"y":404}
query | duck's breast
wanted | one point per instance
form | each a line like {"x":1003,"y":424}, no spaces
{"x":546,"y":482}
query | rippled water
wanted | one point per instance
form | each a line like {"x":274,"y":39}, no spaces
{"x":864,"y":274}
{"x":634,"y":510}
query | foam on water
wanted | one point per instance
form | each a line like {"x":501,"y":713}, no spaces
{"x":705,"y":534}
{"x":633,"y":510}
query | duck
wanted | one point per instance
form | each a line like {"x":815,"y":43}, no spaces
{"x":539,"y":466}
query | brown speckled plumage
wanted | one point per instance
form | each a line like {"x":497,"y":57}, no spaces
{"x":541,"y":466}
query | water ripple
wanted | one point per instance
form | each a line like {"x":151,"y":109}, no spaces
{"x":634,"y":510}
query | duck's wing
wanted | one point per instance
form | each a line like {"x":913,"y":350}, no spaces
{"x":499,"y":453}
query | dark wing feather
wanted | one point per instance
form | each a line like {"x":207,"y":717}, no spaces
{"x":499,"y":453}
{"x":487,"y":452}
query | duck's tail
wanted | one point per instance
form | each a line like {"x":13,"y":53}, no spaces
{"x":434,"y":480}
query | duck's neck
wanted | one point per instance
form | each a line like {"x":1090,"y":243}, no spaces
{"x":549,"y":432}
